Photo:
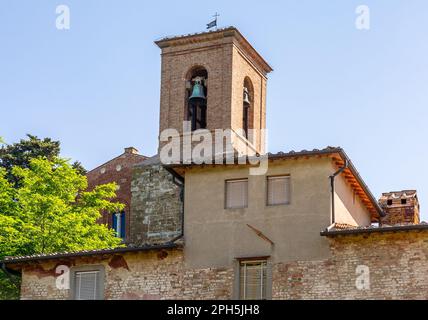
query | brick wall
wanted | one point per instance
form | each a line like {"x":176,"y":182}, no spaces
{"x":117,"y":170}
{"x":397,"y":264}
{"x":401,"y":207}
{"x":145,"y":275}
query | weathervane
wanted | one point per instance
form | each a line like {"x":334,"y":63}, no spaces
{"x":213,"y":23}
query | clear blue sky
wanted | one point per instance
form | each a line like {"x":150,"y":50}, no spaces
{"x":95,"y":87}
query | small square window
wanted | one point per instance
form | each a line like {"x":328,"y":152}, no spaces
{"x":389,"y":202}
{"x":278,"y":190}
{"x":403,"y":201}
{"x":87,"y":283}
{"x":237,"y":194}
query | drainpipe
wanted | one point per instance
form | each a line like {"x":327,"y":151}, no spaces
{"x":178,"y":181}
{"x":332,"y":177}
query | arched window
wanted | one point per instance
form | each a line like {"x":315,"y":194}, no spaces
{"x":197,"y":98}
{"x":246,"y":107}
{"x":119,"y":224}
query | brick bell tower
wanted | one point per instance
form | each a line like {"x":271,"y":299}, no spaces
{"x":214,"y":80}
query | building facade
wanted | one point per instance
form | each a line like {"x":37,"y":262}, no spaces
{"x":305,"y":227}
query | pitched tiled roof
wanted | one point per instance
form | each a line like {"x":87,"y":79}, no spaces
{"x":343,"y":226}
{"x":344,"y":229}
{"x":404,"y":194}
{"x":73,"y":254}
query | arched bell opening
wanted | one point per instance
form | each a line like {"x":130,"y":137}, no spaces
{"x":247,"y":107}
{"x":196,"y":97}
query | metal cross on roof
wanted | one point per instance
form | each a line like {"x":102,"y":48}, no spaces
{"x":213,"y":23}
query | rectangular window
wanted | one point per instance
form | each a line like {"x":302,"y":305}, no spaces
{"x":278,"y":190}
{"x":86,"y":285}
{"x":252,"y":280}
{"x":119,"y":224}
{"x":237,"y":194}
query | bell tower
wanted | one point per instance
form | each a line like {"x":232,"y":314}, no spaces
{"x":214,"y":80}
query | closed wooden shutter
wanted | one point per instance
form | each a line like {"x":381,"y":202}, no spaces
{"x":122,"y":225}
{"x":86,"y":285}
{"x":114,"y":222}
{"x":278,"y":190}
{"x":236,"y":194}
{"x":253,"y":278}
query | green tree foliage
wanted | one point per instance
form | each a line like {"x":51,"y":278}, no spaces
{"x":50,"y":211}
{"x":21,"y":153}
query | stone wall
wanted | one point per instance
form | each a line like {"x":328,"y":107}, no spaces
{"x":397,"y":265}
{"x":156,"y":208}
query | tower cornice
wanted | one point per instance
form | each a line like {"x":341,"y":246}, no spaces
{"x":225,"y":33}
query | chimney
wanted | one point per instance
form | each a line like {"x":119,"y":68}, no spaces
{"x":401,"y":207}
{"x":131,"y":150}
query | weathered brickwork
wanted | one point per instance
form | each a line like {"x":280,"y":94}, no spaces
{"x":228,"y":60}
{"x":118,"y":170}
{"x":397,"y":264}
{"x":156,"y":209}
{"x":401,"y":207}
{"x":146,"y":275}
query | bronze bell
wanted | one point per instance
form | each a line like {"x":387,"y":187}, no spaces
{"x":198,"y":91}
{"x":246,"y":96}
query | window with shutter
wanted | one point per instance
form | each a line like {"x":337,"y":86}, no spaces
{"x":86,"y":285}
{"x":118,"y":224}
{"x":252,"y":280}
{"x":278,"y":190}
{"x":236,"y":194}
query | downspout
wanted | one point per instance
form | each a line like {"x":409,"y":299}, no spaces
{"x":178,"y":181}
{"x":332,"y":178}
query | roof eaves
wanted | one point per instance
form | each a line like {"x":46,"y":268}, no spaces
{"x":115,"y":158}
{"x":367,"y":230}
{"x":22,"y":259}
{"x":227,"y":31}
{"x":362,"y":183}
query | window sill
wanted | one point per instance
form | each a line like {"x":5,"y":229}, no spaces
{"x":278,"y":205}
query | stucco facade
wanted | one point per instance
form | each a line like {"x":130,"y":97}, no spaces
{"x":216,"y":236}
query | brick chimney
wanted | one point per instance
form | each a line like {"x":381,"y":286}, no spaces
{"x":401,"y":207}
{"x":131,"y":150}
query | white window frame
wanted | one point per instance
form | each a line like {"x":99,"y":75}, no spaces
{"x":263,"y":278}
{"x":99,"y":282}
{"x":79,"y":282}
